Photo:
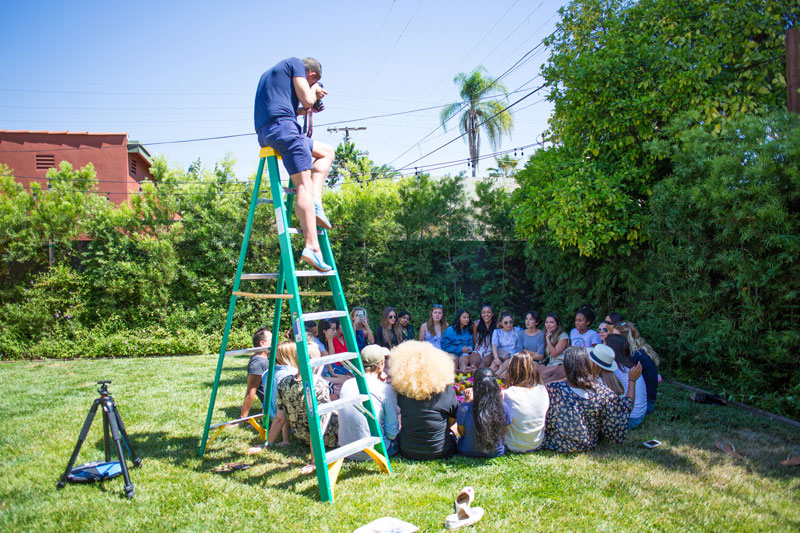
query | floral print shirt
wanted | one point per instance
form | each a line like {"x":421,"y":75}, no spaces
{"x":576,"y":424}
{"x":292,"y":401}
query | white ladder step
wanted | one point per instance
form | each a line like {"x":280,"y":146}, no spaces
{"x":323,"y":314}
{"x":298,"y":231}
{"x":248,"y":351}
{"x":349,"y":449}
{"x":331,"y":359}
{"x":329,"y":407}
{"x":298,"y":273}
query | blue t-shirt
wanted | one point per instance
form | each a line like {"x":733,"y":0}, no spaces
{"x":361,"y":340}
{"x":466,"y":444}
{"x":275,"y":96}
{"x":588,"y":339}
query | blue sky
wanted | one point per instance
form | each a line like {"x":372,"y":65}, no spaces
{"x":167,"y":71}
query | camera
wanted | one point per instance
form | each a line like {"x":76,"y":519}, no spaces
{"x":318,"y":105}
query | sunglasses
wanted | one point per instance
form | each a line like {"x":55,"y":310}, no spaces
{"x":437,"y":306}
{"x":392,"y":316}
{"x":604,"y":330}
{"x":508,"y":322}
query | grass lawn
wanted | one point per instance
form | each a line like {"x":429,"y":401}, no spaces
{"x":686,"y":484}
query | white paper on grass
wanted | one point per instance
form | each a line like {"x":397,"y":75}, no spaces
{"x":387,"y":524}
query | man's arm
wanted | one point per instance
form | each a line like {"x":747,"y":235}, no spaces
{"x":253,"y":381}
{"x":305,"y":94}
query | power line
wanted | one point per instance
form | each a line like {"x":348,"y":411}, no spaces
{"x":385,"y":59}
{"x":47,"y":91}
{"x":485,"y":35}
{"x":435,"y":129}
{"x":372,"y":117}
{"x":369,"y":55}
{"x":117,"y":108}
{"x":222,"y":185}
{"x":458,"y":162}
{"x":513,"y":67}
{"x":481,"y":124}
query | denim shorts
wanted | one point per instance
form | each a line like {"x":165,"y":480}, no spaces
{"x":635,"y":422}
{"x":286,"y":137}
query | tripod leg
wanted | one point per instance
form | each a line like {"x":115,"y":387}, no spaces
{"x":106,"y":440}
{"x":108,"y":404}
{"x":82,"y":437}
{"x":137,"y":462}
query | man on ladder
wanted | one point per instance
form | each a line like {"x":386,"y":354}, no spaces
{"x":281,"y":91}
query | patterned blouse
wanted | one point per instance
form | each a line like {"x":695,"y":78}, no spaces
{"x":292,"y":401}
{"x":576,"y":424}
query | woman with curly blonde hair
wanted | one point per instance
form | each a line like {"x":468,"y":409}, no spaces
{"x":421,"y":376}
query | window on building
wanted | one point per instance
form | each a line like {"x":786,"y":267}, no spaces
{"x":133,"y":167}
{"x":45,"y":162}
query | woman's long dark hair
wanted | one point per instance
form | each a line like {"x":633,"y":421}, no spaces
{"x":578,"y":369}
{"x":483,"y":331}
{"x":391,"y":335}
{"x":322,"y":326}
{"x":622,"y":350}
{"x":487,"y":410}
{"x":457,"y":323}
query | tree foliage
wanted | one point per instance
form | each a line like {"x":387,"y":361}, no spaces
{"x":618,"y":73}
{"x":345,"y":153}
{"x":726,"y":255}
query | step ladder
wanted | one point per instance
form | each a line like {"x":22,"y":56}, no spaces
{"x":328,"y":463}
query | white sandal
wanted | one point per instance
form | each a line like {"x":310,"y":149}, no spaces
{"x":464,"y":498}
{"x":466,"y":516}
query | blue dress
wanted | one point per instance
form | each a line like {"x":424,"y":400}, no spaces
{"x":436,"y":340}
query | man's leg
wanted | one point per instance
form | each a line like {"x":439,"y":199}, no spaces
{"x":304,"y":203}
{"x":323,"y":159}
{"x":304,"y":208}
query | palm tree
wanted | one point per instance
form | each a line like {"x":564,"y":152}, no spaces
{"x":506,"y":167}
{"x":478,"y":112}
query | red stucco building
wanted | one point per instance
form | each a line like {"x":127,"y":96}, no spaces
{"x":120,"y":164}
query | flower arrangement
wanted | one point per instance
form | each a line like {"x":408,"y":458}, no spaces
{"x":464,"y":381}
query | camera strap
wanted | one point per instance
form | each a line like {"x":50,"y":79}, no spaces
{"x":308,"y":122}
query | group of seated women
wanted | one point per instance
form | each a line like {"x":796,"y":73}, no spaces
{"x":531,"y":389}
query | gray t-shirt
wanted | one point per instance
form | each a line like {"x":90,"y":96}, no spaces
{"x":532,"y":343}
{"x":257,"y":366}
{"x":353,"y":424}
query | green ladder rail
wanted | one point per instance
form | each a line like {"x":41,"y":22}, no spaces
{"x":328,"y":463}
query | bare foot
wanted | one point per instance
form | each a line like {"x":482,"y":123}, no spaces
{"x":307,"y":469}
{"x":255,"y":449}
{"x":282,"y":444}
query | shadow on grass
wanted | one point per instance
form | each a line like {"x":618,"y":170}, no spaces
{"x":229,"y":382}
{"x":275,"y":462}
{"x":700,"y":426}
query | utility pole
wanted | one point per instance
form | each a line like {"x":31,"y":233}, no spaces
{"x":793,"y":70}
{"x":347,"y":130}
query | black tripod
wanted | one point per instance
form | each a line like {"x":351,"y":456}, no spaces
{"x":112,"y":419}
